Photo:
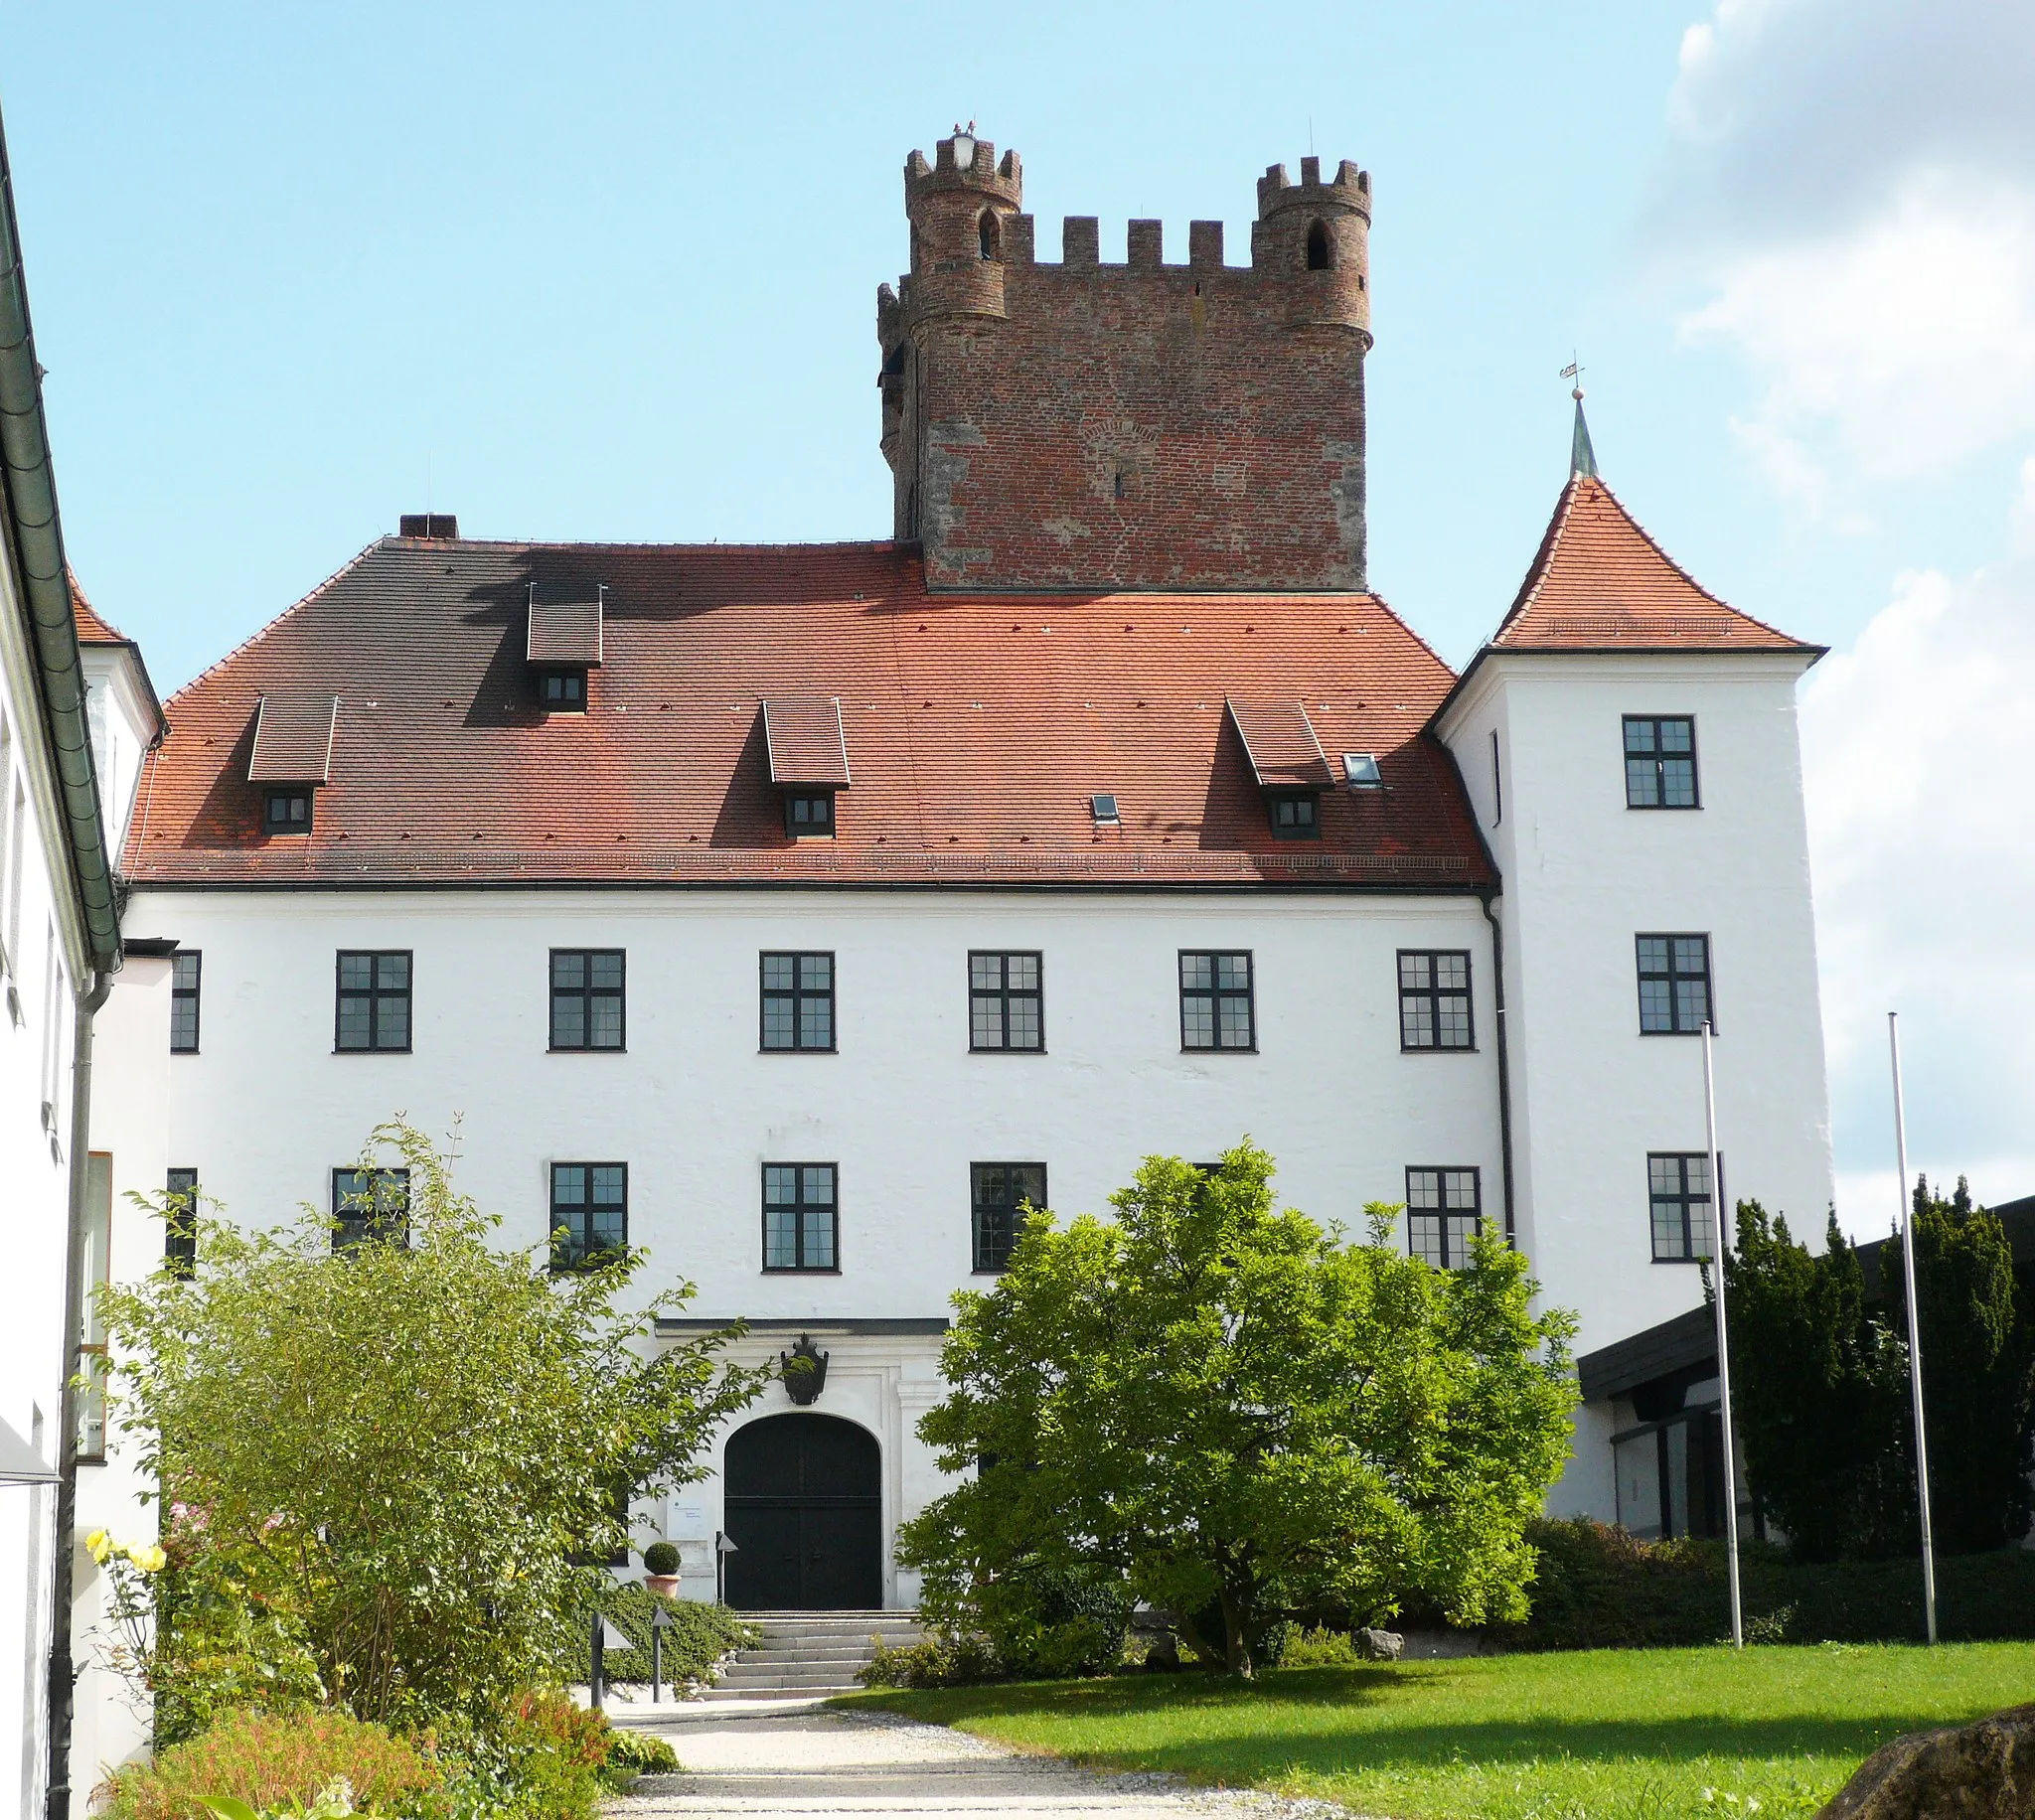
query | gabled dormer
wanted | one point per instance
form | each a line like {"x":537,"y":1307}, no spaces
{"x":563,"y":646}
{"x":1287,"y":763}
{"x":293,"y":757}
{"x":808,"y":754}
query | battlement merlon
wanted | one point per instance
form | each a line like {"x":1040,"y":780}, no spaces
{"x":1350,"y":188}
{"x":972,"y":167}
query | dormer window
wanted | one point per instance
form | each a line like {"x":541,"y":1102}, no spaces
{"x":809,"y":814}
{"x":808,"y":754}
{"x":286,"y":809}
{"x":563,"y":643}
{"x":1296,"y":814}
{"x":562,"y":691}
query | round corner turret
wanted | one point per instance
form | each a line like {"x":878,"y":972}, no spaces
{"x":1316,"y":238}
{"x":961,"y":207}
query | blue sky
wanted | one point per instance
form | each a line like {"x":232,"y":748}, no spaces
{"x":609,"y":272}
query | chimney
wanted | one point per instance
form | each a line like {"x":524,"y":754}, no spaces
{"x":427,"y":524}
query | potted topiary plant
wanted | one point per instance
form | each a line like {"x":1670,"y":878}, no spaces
{"x":661,"y":1569}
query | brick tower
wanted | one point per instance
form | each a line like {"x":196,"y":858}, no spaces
{"x":1138,"y":426}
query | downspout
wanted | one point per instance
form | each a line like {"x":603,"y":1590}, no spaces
{"x":63,"y":1666}
{"x":1497,"y":979}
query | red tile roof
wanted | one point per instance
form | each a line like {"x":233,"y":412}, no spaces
{"x":979,"y":729}
{"x":92,"y":630}
{"x":1280,"y":744}
{"x":1600,"y":582}
{"x":804,"y":741}
{"x":294,"y":731}
{"x":564,"y":631}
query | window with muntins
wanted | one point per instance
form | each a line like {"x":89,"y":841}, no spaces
{"x":1216,"y":1012}
{"x":1296,"y":814}
{"x":563,"y":691}
{"x":999,"y":1191}
{"x":588,"y":998}
{"x":1661,"y":761}
{"x":1678,"y":1188}
{"x":1674,"y":985}
{"x":589,"y":1214}
{"x":180,"y":1222}
{"x":373,"y":999}
{"x":1444,"y":1208}
{"x":1005,"y":1002}
{"x":800,"y":1211}
{"x":186,"y":969}
{"x":798,"y":1001}
{"x":809,"y":815}
{"x":286,"y":811}
{"x":370,"y":1206}
{"x":1434,"y":999}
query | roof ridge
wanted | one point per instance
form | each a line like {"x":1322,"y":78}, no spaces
{"x":1419,"y":638}
{"x":254,"y":638}
{"x":872,"y":544}
{"x":1536,"y":570}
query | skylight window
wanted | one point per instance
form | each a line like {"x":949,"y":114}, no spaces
{"x":1104,"y":810}
{"x":1360,"y":771}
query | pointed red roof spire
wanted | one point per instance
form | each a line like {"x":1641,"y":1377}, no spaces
{"x":1601,"y":583}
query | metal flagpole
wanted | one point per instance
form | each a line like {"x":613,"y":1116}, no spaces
{"x":1720,"y":1247}
{"x":1914,"y":1329}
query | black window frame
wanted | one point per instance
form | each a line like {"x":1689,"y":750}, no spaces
{"x":798,"y":993}
{"x":1672,"y":977}
{"x":571,"y":679}
{"x":1659,"y":759}
{"x":376,"y":994}
{"x":1003,"y":995}
{"x":993,"y":1222}
{"x":180,"y":1223}
{"x":586,"y":992}
{"x":1432,"y":994}
{"x":182,"y":995}
{"x":577,"y":1250}
{"x":369,"y":1224}
{"x":1681,"y":1197}
{"x":1442,"y":1255}
{"x":801,"y":1206}
{"x":813,"y":828}
{"x":1216,"y":994}
{"x":1306,"y":828}
{"x":281,"y":796}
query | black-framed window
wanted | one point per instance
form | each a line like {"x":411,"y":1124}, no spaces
{"x":1675,"y":984}
{"x":1678,"y":1195}
{"x":798,"y":1001}
{"x":997,"y":1191}
{"x":809,"y":814}
{"x":373,"y":999}
{"x":186,"y":969}
{"x":1216,"y":1010}
{"x":1296,"y":814}
{"x":800,"y":1214}
{"x":1444,"y":1208}
{"x":562,"y":691}
{"x":589,"y":1213}
{"x":369,"y":1205}
{"x":180,"y":1222}
{"x":587,"y":998}
{"x":1006,"y":1000}
{"x":1434,"y":999}
{"x":286,"y":809}
{"x":1661,"y":761}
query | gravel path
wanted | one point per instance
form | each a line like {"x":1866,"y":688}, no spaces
{"x":813,"y":1762}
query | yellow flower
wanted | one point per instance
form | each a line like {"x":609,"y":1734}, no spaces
{"x":149,"y":1560}
{"x":100,"y":1545}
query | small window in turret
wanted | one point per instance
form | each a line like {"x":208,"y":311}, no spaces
{"x":992,"y":234}
{"x":1319,"y":254}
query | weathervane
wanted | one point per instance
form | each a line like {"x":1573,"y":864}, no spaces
{"x":1582,"y":457}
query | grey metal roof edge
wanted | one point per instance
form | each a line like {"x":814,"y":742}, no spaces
{"x":1675,"y":1344}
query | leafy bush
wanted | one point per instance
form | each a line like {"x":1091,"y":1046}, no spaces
{"x":698,"y":1636}
{"x":1318,"y":1649}
{"x":661,"y":1558}
{"x":939,"y":1661}
{"x":1047,"y":1621}
{"x":402,"y":1453}
{"x":1597,"y":1588}
{"x":272,"y":1761}
{"x":640,"y":1753}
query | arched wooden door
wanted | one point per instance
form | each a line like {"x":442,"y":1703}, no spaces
{"x":805,"y":1511}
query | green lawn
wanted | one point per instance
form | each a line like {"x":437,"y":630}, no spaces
{"x":1639,"y":1735}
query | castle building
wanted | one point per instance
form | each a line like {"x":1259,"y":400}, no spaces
{"x":795,"y":913}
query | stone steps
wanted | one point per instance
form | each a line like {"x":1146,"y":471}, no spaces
{"x":810,"y":1654}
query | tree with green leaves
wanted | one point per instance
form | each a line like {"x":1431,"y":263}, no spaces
{"x":1977,"y":1370}
{"x":1821,"y":1403}
{"x":1237,"y":1416}
{"x":386,"y":1463}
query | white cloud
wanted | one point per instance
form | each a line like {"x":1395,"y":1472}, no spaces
{"x":1919,"y":759}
